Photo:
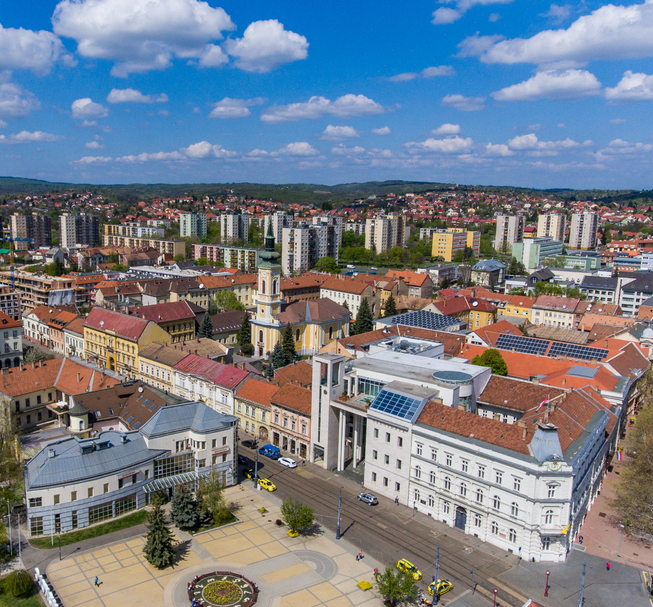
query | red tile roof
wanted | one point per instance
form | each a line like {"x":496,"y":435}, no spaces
{"x":257,"y":391}
{"x":6,"y":322}
{"x":411,"y":278}
{"x":293,"y":397}
{"x":299,"y":373}
{"x":122,"y":325}
{"x":458,"y":305}
{"x":163,"y":312}
{"x":226,"y":376}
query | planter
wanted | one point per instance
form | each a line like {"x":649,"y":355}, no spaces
{"x":293,"y":533}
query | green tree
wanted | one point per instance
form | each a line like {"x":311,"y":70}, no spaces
{"x":245,"y":336}
{"x":158,"y":548}
{"x":296,"y":515}
{"x":276,"y":356}
{"x":179,"y":257}
{"x":493,"y":359}
{"x":226,"y":300}
{"x":396,"y":587}
{"x":364,"y":319}
{"x":206,"y":328}
{"x":35,"y":356}
{"x":113,"y":258}
{"x":54,"y":269}
{"x":327,"y":264}
{"x":185,"y":509}
{"x":269,"y":372}
{"x":390,"y":307}
{"x":515,"y":267}
{"x":18,"y":583}
{"x":288,"y":346}
{"x":211,"y":497}
{"x":202,"y":261}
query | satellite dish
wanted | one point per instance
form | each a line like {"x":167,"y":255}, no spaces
{"x":140,"y":388}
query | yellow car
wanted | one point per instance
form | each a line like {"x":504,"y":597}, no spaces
{"x":267,"y":484}
{"x":443,"y":586}
{"x":404,"y":565}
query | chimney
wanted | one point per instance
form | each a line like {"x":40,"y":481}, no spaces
{"x":33,"y":365}
{"x":51,"y":453}
{"x":79,"y":377}
{"x":536,"y":381}
{"x":605,"y":343}
{"x":564,"y":381}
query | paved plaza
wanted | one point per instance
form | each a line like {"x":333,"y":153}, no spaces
{"x":314,"y":571}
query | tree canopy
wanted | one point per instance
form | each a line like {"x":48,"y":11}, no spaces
{"x":327,"y":264}
{"x":296,"y":515}
{"x":226,"y":300}
{"x":364,"y":319}
{"x":395,"y":586}
{"x":390,"y":307}
{"x":206,"y":328}
{"x":493,"y":359}
{"x":288,"y":346}
{"x":158,"y":548}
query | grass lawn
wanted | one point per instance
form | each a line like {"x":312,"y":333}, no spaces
{"x":131,"y":520}
{"x":226,"y":520}
{"x":10,"y":601}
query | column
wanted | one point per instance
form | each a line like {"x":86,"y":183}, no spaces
{"x":356,"y":437}
{"x":341,"y":440}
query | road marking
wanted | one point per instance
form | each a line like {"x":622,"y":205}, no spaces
{"x":382,"y":526}
{"x":509,"y":590}
{"x":460,"y":597}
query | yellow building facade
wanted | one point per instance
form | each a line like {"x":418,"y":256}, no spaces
{"x":446,"y":243}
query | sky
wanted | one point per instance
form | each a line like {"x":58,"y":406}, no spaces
{"x":479,"y":92}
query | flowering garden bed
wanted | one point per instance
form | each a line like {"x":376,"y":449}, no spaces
{"x":222,"y":589}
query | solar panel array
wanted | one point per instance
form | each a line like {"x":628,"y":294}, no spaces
{"x":525,"y":345}
{"x":424,"y":320}
{"x":575,"y":351}
{"x":396,"y":404}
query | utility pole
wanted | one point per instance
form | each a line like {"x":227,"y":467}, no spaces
{"x":436,"y":596}
{"x":581,"y":598}
{"x":339,"y":511}
{"x":256,"y":485}
{"x":11,"y":547}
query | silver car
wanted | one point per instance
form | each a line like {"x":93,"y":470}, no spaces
{"x":288,"y":462}
{"x":368,"y":498}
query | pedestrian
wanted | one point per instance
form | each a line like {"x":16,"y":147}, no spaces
{"x":375,"y":570}
{"x":97,"y":581}
{"x":607,"y":566}
{"x":580,"y":540}
{"x":360,"y":555}
{"x":396,"y":500}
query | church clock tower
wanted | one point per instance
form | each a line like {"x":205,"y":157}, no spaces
{"x":265,"y":327}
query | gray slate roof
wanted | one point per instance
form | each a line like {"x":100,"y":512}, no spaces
{"x":489,"y":265}
{"x":187,"y":416}
{"x":69,"y":465}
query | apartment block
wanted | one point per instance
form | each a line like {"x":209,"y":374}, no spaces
{"x":245,"y":260}
{"x":171,"y":247}
{"x":446,"y":243}
{"x":10,"y":302}
{"x":33,"y":230}
{"x":383,"y":233}
{"x":134,"y":229}
{"x":234,"y":227}
{"x":510,"y":229}
{"x":534,"y":251}
{"x":192,"y":224}
{"x":583,"y":230}
{"x":304,"y":245}
{"x":279,"y":221}
{"x":553,"y":225}
{"x":78,"y":229}
{"x":40,"y":289}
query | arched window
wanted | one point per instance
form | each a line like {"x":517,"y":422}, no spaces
{"x":297,"y":334}
{"x":260,"y":336}
{"x":447,"y":483}
{"x":512,"y":536}
{"x":418,"y":472}
{"x":263,"y":287}
{"x":514,"y":509}
{"x":548,"y":517}
{"x":330,"y":332}
{"x":431,"y":501}
{"x":416,"y":495}
{"x":432,"y":477}
{"x":495,"y":528}
{"x":463,"y":489}
{"x":275,"y":287}
{"x":479,"y":496}
{"x":496,"y":502}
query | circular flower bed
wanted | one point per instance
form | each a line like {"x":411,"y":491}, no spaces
{"x":222,"y":592}
{"x":222,"y":589}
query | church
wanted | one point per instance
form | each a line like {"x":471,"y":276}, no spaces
{"x":314,"y":323}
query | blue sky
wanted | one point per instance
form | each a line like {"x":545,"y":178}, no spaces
{"x":494,"y":92}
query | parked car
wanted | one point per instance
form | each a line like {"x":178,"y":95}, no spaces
{"x":270,"y":451}
{"x":288,"y":462}
{"x":250,"y":444}
{"x":442,"y":587}
{"x":267,"y":484}
{"x":404,"y":565}
{"x":368,"y":498}
{"x":249,"y":472}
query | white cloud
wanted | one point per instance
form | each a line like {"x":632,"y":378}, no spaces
{"x":93,"y":160}
{"x":342,"y":150}
{"x":558,"y":13}
{"x":156,"y":156}
{"x":384,"y":130}
{"x":28,"y":137}
{"x":29,"y":50}
{"x":535,"y":127}
{"x":234,"y":108}
{"x":449,"y":145}
{"x":429,"y":72}
{"x":534,"y":147}
{"x":3,"y":124}
{"x":500,"y":149}
{"x":562,"y":125}
{"x":204,"y":149}
{"x":15,"y":101}
{"x":494,"y":17}
{"x":447,"y":129}
{"x":465,"y":104}
{"x":443,"y":15}
{"x":346,"y":106}
{"x":86,"y":108}
{"x":610,"y":32}
{"x":266,"y":45}
{"x":256,"y":153}
{"x":134,"y":96}
{"x":94,"y":145}
{"x":143,"y":35}
{"x":299,"y":148}
{"x":163,"y":113}
{"x":619,"y":147}
{"x":335,"y":133}
{"x":552,"y":84}
{"x":617,"y":121}
{"x":632,"y":87}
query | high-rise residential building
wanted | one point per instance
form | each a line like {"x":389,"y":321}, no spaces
{"x":328,"y":220}
{"x":245,"y":260}
{"x":510,"y":229}
{"x":533,"y":252}
{"x":384,"y":232}
{"x":78,"y":228}
{"x":553,"y":225}
{"x":33,"y":230}
{"x":192,"y":224}
{"x":583,"y":230}
{"x":304,"y":245}
{"x":234,"y":227}
{"x":446,"y":243}
{"x":280,"y":220}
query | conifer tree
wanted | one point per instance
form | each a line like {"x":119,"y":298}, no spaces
{"x":206,"y":328}
{"x":364,"y":319}
{"x":158,"y":548}
{"x":288,"y":346}
{"x":276,"y":357}
{"x":390,"y":307}
{"x":185,"y":511}
{"x":245,"y":336}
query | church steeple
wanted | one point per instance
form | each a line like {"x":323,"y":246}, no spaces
{"x":269,"y":257}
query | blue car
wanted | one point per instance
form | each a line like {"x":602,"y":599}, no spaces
{"x":270,"y":451}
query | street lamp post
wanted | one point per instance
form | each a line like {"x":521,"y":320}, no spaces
{"x":436,"y":596}
{"x":339,"y":510}
{"x":256,"y":468}
{"x":581,"y":598}
{"x":11,"y":546}
{"x":496,"y":590}
{"x":546,"y":588}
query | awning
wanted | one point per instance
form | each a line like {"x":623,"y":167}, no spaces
{"x":170,"y":481}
